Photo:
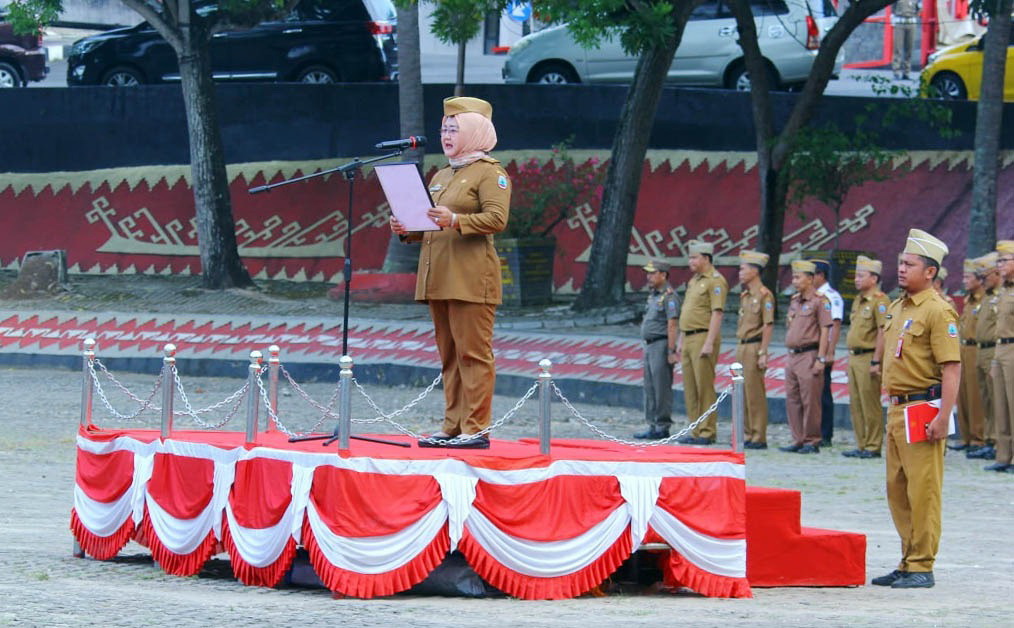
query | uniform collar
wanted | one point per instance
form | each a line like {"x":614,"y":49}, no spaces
{"x":920,"y":297}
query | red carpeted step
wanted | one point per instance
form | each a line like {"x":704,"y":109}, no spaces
{"x":780,"y":553}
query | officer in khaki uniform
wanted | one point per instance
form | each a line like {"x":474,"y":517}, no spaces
{"x":1003,"y":362}
{"x":869,"y":311}
{"x":922,"y":362}
{"x":808,"y":325}
{"x":700,"y":339}
{"x":753,"y":331}
{"x":938,"y":285}
{"x":985,"y":336}
{"x":459,"y":269}
{"x":970,"y":417}
{"x":659,"y":332}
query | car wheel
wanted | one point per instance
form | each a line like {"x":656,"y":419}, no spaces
{"x":739,"y":79}
{"x":9,"y":76}
{"x":122,"y":77}
{"x":949,"y":86}
{"x":554,"y":74}
{"x":318,"y":75}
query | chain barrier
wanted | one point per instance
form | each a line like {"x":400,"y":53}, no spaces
{"x":465,"y":439}
{"x":236,"y":397}
{"x":650,"y":443}
{"x":143,"y":404}
{"x":383,"y":416}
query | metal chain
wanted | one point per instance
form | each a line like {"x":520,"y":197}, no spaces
{"x":465,"y":439}
{"x":383,"y":416}
{"x":650,"y":443}
{"x":278,"y":422}
{"x":143,"y":404}
{"x":194,"y":414}
{"x":326,"y":411}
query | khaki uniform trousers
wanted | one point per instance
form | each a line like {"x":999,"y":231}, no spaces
{"x":464,"y":335}
{"x":699,"y":383}
{"x":864,"y":404}
{"x":755,"y":427}
{"x":802,"y":398}
{"x":915,"y":479}
{"x":983,"y":373}
{"x":1003,"y":400}
{"x":970,"y":414}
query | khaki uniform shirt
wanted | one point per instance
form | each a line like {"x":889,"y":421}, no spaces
{"x":661,"y":306}
{"x":705,"y":293}
{"x":921,"y":334}
{"x":756,"y":309}
{"x":1005,"y":313}
{"x":970,"y":315}
{"x":989,"y":308}
{"x":462,"y":263}
{"x":869,"y":311}
{"x":805,"y":318}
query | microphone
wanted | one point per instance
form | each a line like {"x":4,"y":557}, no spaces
{"x":414,"y":141}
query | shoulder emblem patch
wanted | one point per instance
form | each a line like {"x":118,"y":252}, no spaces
{"x":827,"y":305}
{"x":882,"y":308}
{"x":769,"y":306}
{"x":718,"y":289}
{"x":501,"y":182}
{"x":952,"y":330}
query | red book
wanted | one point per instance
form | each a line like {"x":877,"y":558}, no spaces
{"x":918,"y":416}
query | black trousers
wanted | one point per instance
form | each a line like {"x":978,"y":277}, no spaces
{"x":827,"y":407}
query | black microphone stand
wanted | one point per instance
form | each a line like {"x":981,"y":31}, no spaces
{"x":349,"y":170}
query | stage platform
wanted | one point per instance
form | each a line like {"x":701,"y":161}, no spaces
{"x":377,"y":519}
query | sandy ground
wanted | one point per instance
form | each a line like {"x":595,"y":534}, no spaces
{"x":42,"y":584}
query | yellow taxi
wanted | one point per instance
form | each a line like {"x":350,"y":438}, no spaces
{"x":955,"y":72}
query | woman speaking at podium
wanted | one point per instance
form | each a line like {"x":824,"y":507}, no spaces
{"x":459,"y":270}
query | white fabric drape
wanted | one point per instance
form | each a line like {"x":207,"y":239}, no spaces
{"x":103,"y":518}
{"x":260,"y":547}
{"x":722,"y":557}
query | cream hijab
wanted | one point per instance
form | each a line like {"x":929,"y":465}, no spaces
{"x":476,"y":137}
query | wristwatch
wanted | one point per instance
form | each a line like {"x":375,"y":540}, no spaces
{"x":822,"y":359}
{"x":762,"y":352}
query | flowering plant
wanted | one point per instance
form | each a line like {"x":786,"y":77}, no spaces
{"x":545,"y":194}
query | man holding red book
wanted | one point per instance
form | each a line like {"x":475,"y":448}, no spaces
{"x":922,"y":363}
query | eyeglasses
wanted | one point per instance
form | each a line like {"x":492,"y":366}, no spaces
{"x":446,"y":130}
{"x":1004,"y":260}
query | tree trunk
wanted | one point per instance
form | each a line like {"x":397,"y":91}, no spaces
{"x":459,"y":85}
{"x":403,"y":257}
{"x":216,"y":230}
{"x":989,"y":117}
{"x":607,"y":267}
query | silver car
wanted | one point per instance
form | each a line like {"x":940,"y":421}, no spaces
{"x":788,"y":31}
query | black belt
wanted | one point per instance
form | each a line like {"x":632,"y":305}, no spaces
{"x":694,"y":331}
{"x":1006,"y":341}
{"x":860,"y":351}
{"x":804,"y":348}
{"x":987,"y":345}
{"x":750,"y":341}
{"x":929,"y":395}
{"x":969,"y":343}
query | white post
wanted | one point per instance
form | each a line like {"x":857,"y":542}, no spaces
{"x":168,"y":387}
{"x":545,"y":406}
{"x":253,"y":396}
{"x":274,"y":364}
{"x":87,"y":385}
{"x":738,"y":406}
{"x":344,"y":402}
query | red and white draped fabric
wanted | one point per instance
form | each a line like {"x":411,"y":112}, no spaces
{"x":378,"y":521}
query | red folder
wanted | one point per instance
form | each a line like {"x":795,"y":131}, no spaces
{"x":918,"y":416}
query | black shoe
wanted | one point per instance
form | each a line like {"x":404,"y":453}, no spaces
{"x":653,"y":433}
{"x":696,"y":440}
{"x":853,"y":453}
{"x":958,"y":446}
{"x":986,"y":452}
{"x":752,"y":445}
{"x":997,"y":466}
{"x":920,"y":580}
{"x":889,"y":579}
{"x":865,"y":455}
{"x":808,"y":449}
{"x":825,"y":443}
{"x":791,"y":449}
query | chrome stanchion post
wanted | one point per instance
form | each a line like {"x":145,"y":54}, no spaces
{"x":253,"y":399}
{"x":87,"y":385}
{"x":545,"y":408}
{"x":273,"y":366}
{"x":738,"y":406}
{"x":168,"y":387}
{"x":344,"y":402}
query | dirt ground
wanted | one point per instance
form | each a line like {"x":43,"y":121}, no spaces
{"x":41,"y":584}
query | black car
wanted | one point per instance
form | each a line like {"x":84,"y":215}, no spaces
{"x":22,"y":59}
{"x":320,"y":41}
